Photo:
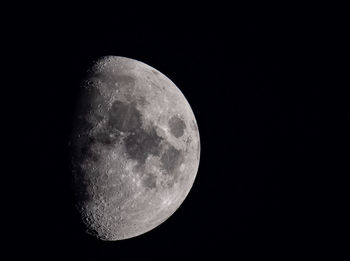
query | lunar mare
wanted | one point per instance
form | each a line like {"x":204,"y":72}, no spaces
{"x":135,"y":148}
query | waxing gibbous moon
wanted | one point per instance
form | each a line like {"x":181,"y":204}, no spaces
{"x":135,"y":148}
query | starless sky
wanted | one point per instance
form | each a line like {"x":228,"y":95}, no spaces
{"x":244,"y":79}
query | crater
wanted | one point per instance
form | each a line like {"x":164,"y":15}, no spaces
{"x":124,"y":116}
{"x":177,"y":126}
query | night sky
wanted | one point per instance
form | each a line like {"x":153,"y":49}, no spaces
{"x":246,"y":81}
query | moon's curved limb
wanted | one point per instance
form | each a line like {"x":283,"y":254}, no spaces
{"x":135,"y":148}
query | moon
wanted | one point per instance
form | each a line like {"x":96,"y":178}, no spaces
{"x":135,"y":148}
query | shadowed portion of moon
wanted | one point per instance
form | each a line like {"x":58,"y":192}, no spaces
{"x":135,"y":149}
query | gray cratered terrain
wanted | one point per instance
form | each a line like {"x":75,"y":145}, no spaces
{"x":135,"y":148}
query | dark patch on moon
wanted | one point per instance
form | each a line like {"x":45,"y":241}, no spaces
{"x":177,"y":126}
{"x":88,"y":153}
{"x":90,"y":96}
{"x":171,"y":159}
{"x":142,"y":101}
{"x":86,"y":150}
{"x":150,"y":181}
{"x":141,"y":143}
{"x":124,"y":116}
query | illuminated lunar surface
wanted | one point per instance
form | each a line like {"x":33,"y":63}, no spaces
{"x":135,"y":148}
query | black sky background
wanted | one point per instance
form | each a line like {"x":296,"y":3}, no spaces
{"x":247,"y":83}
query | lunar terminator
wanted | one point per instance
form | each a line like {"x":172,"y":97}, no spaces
{"x":135,"y":148}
